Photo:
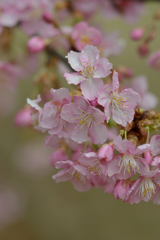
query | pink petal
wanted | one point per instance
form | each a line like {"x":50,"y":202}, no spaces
{"x":74,"y":78}
{"x":155,"y":144}
{"x":91,"y":87}
{"x":134,"y":97}
{"x":108,"y":110}
{"x":115,"y":83}
{"x":89,"y":54}
{"x":105,"y":95}
{"x":102,"y":68}
{"x":74,"y":60}
{"x":98,"y":133}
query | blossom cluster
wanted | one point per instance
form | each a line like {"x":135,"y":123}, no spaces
{"x":79,"y":125}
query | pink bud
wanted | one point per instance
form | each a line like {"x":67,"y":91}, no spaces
{"x":35,"y":44}
{"x":47,"y":17}
{"x":106,"y":151}
{"x":23,"y":118}
{"x":148,"y":157}
{"x":137,"y":33}
{"x":121,"y":189}
{"x":143,"y":50}
{"x":94,"y":102}
{"x":58,"y":156}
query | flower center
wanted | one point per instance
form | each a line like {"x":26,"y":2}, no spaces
{"x":89,"y":71}
{"x":128,"y":162}
{"x":78,"y":176}
{"x":95,"y":168}
{"x":86,"y":39}
{"x":85,"y":119}
{"x":146,"y":187}
{"x":118,"y":100}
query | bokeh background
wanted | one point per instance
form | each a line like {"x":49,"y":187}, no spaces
{"x":50,"y":211}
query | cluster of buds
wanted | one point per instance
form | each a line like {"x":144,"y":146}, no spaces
{"x":147,"y":35}
{"x":79,"y":125}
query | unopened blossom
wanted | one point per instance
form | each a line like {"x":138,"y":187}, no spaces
{"x":119,"y":104}
{"x":75,"y":173}
{"x":23,"y":117}
{"x":128,"y":162}
{"x":35,"y":44}
{"x":145,"y":188}
{"x":84,"y":35}
{"x":105,"y":152}
{"x":154,"y":60}
{"x":85,"y":120}
{"x":51,"y":118}
{"x":121,"y":189}
{"x":148,"y":100}
{"x":137,"y":34}
{"x":89,"y":69}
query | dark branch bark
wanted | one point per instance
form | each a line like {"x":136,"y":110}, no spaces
{"x":53,"y":53}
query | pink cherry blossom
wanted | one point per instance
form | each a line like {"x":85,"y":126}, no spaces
{"x":121,"y":189}
{"x":119,"y":104}
{"x":145,"y":188}
{"x":82,"y":34}
{"x":50,"y":118}
{"x":148,"y":100}
{"x":111,"y":44}
{"x":36,"y":113}
{"x":85,"y":120}
{"x":131,"y":10}
{"x":128,"y":162}
{"x":23,"y":117}
{"x":90,"y":68}
{"x":10,"y":74}
{"x":137,"y":34}
{"x":105,"y":152}
{"x":154,"y":60}
{"x":75,"y":173}
{"x":95,"y":166}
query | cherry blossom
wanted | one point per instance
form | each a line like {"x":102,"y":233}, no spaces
{"x":85,"y":120}
{"x":90,"y":68}
{"x":128,"y":162}
{"x":82,"y":34}
{"x":120,"y":104}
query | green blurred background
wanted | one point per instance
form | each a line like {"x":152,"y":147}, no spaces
{"x":56,"y":211}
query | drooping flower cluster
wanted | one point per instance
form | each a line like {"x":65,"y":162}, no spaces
{"x":81,"y":121}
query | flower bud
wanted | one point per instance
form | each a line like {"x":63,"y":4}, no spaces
{"x":106,"y":151}
{"x":121,"y":189}
{"x":23,"y":118}
{"x":94,"y":102}
{"x":35,"y":44}
{"x":137,"y":34}
{"x":143,"y":50}
{"x":148,"y":157}
{"x":57,"y":156}
{"x":47,"y":17}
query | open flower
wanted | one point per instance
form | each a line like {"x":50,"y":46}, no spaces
{"x":82,"y":34}
{"x":128,"y":162}
{"x":118,"y":103}
{"x":75,"y":173}
{"x":51,"y":118}
{"x":85,"y":120}
{"x":90,"y":68}
{"x":145,"y":188}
